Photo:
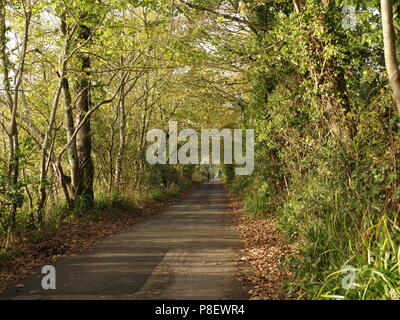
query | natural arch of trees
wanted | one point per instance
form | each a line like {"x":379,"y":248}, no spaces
{"x":83,"y":81}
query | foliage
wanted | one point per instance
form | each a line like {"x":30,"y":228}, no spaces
{"x":316,"y":93}
{"x":337,"y":198}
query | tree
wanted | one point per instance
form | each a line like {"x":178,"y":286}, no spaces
{"x":12,"y":93}
{"x":389,"y":42}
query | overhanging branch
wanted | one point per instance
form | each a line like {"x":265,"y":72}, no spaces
{"x":226,"y":16}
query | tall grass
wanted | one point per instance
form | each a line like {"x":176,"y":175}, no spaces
{"x":348,"y":236}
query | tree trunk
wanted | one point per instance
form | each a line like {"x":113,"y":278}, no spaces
{"x":12,"y":132}
{"x":83,"y":138}
{"x":122,"y":137}
{"x":69,"y":127}
{"x":389,"y":43}
{"x":12,"y":97}
{"x":47,"y":148}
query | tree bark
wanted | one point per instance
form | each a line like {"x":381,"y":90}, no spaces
{"x":122,"y":137}
{"x":84,"y":138}
{"x":69,"y":118}
{"x":12,"y":96}
{"x":389,"y":44}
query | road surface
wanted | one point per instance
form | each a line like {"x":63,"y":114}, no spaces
{"x":187,"y":251}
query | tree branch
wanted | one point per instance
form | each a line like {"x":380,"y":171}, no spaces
{"x":226,"y":16}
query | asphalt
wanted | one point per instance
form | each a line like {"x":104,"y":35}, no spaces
{"x":187,"y":251}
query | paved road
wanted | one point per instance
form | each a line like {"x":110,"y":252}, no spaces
{"x":187,"y":251}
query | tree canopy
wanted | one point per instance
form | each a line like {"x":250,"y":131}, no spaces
{"x":83,"y":81}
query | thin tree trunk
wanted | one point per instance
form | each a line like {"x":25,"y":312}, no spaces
{"x":122,"y":137}
{"x":46,"y":149}
{"x":69,"y":127}
{"x":12,"y":96}
{"x":389,"y":43}
{"x":69,"y":118}
{"x":111,"y":149}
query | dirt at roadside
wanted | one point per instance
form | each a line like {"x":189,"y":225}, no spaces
{"x":260,"y":260}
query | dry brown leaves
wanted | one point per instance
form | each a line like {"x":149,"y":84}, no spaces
{"x":68,"y":239}
{"x":264,"y":247}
